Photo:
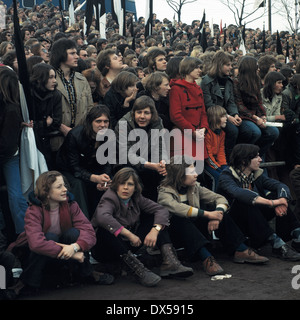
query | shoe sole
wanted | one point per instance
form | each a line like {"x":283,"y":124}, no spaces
{"x":250,"y":261}
{"x":184,"y":274}
{"x":220,"y":272}
{"x":152,"y":284}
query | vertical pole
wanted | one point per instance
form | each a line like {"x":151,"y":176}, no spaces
{"x":270,"y":16}
{"x":296,"y":16}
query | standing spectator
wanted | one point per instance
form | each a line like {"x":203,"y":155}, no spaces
{"x":76,"y":93}
{"x":157,"y":87}
{"x":121,"y":95}
{"x":156,"y":60}
{"x":110,"y":65}
{"x":47,"y":105}
{"x":10,"y":130}
{"x":77,"y":160}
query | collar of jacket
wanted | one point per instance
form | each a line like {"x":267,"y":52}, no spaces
{"x":208,"y":79}
{"x":183,"y":83}
{"x":173,"y":191}
{"x":257,"y":173}
{"x":128,"y":118}
{"x":64,"y":213}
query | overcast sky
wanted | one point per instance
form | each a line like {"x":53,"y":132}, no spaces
{"x":215,"y":11}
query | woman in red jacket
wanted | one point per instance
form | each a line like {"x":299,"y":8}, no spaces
{"x":187,"y":109}
{"x":56,"y":228}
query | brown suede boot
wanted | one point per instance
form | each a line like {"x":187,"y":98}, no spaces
{"x":171,"y":266}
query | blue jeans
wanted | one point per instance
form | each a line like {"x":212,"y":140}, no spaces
{"x":215,"y":173}
{"x":232,"y":133}
{"x":17,"y":202}
{"x":263,"y":137}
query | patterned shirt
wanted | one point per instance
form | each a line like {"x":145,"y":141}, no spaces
{"x":70,"y":88}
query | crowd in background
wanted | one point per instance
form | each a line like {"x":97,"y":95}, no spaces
{"x":183,"y":76}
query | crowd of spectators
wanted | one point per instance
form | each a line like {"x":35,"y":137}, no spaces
{"x":183,"y":76}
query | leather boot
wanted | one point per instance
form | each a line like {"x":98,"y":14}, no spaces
{"x":171,"y":266}
{"x":144,"y":276}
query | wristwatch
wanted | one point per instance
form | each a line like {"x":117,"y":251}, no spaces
{"x":157,"y":227}
{"x":75,"y":247}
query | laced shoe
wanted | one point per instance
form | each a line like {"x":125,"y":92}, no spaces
{"x":211,"y":267}
{"x":143,"y":275}
{"x":171,"y":266}
{"x":249,"y":256}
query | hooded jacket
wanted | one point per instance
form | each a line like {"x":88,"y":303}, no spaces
{"x":187,"y":109}
{"x":37,"y":223}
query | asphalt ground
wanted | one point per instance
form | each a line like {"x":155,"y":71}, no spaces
{"x":275,"y":280}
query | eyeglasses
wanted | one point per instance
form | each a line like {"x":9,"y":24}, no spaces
{"x":84,"y":55}
{"x":45,"y":50}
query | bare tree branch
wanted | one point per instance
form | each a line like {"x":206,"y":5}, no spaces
{"x":177,"y":5}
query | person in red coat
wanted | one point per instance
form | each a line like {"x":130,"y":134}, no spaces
{"x":187,"y":110}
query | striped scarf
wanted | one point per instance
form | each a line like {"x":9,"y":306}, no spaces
{"x":70,"y":88}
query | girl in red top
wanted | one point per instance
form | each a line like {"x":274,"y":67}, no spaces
{"x":187,"y":109}
{"x":215,"y":163}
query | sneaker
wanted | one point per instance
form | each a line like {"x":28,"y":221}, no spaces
{"x":249,"y":256}
{"x":211,"y":267}
{"x":287,"y":253}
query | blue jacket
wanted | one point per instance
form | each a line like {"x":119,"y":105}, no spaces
{"x":230,"y":186}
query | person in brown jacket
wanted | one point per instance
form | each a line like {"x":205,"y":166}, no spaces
{"x":76,"y":92}
{"x":125,"y":220}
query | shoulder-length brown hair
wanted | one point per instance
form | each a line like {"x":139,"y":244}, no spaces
{"x":122,"y":176}
{"x":123,"y":81}
{"x":176,"y":172}
{"x":218,"y":61}
{"x":43,"y":186}
{"x":214,"y":115}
